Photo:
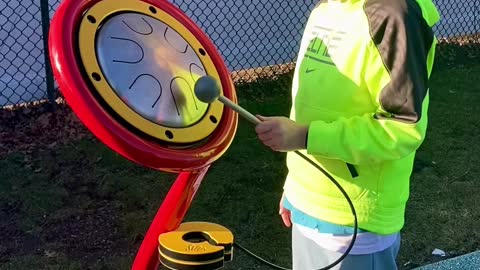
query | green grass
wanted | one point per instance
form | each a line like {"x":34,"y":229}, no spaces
{"x":82,"y":206}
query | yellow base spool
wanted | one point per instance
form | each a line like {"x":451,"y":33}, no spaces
{"x":196,"y":245}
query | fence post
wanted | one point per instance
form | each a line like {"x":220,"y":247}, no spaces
{"x":477,"y":18}
{"x":48,"y":69}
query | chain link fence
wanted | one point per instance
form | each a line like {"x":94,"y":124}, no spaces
{"x":22,"y":69}
{"x":257,"y":38}
{"x":460,"y":21}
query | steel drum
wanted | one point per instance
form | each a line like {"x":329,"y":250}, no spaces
{"x":127,"y":69}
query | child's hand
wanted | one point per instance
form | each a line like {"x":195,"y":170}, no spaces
{"x":281,"y":134}
{"x":285,"y":214}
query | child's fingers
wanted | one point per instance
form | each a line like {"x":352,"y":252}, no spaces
{"x":286,"y":216}
{"x":286,"y":219}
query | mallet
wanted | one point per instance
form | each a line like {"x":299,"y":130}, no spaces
{"x":207,"y":90}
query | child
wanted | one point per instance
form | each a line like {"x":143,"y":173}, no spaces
{"x":360,"y":106}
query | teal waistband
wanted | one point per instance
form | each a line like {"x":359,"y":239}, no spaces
{"x":300,"y":218}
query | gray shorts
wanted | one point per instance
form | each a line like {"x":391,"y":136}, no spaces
{"x":307,"y":255}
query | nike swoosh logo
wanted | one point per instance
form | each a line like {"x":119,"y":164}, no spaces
{"x":310,"y":70}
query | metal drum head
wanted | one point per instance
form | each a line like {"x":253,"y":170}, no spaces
{"x":144,"y":62}
{"x":151,"y":68}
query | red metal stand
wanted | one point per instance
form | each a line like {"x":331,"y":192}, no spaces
{"x":191,"y":163}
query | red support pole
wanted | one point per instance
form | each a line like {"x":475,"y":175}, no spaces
{"x":169,"y":217}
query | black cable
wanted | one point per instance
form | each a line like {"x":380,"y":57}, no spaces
{"x":350,"y":203}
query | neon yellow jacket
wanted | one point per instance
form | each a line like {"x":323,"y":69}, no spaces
{"x":361,"y":83}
